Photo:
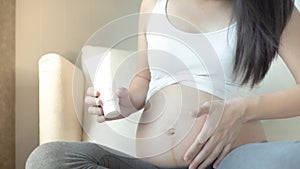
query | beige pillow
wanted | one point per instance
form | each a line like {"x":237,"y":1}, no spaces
{"x":59,"y":117}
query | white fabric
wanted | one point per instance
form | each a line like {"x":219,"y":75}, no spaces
{"x":203,"y":58}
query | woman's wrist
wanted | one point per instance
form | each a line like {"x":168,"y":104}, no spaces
{"x":251,"y":103}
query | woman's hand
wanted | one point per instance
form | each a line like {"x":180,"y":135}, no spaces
{"x":212,"y":149}
{"x":95,"y":104}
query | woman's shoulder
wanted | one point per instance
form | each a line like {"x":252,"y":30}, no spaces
{"x":147,"y":6}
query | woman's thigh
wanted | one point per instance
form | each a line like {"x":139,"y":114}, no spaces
{"x":81,"y":155}
{"x":270,"y":155}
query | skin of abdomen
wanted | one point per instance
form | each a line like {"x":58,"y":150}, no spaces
{"x":166,"y":128}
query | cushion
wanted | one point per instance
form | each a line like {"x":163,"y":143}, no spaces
{"x":59,"y":81}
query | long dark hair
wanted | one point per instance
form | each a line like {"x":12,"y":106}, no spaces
{"x":260,"y":24}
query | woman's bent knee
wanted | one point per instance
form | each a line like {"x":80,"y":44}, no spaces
{"x":65,"y":155}
{"x":75,"y":155}
{"x":49,"y":155}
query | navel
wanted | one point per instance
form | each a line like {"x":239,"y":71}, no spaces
{"x":171,"y":131}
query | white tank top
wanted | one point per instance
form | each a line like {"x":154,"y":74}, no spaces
{"x":200,"y":60}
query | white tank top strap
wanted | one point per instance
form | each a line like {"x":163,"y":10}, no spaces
{"x":160,"y":7}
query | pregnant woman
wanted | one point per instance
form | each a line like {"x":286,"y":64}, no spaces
{"x":245,"y":36}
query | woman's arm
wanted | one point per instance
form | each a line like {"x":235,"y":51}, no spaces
{"x":139,"y":85}
{"x":131,"y":100}
{"x":283,"y":104}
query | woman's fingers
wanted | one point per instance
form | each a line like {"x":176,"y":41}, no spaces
{"x":209,"y":152}
{"x":93,"y":101}
{"x":95,"y":110}
{"x":214,"y":110}
{"x":200,"y":111}
{"x":121,"y":92}
{"x":91,"y":91}
{"x":101,"y":119}
{"x":225,"y":151}
{"x":193,"y":151}
{"x":207,"y":159}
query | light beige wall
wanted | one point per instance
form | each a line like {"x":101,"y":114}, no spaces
{"x":60,"y":26}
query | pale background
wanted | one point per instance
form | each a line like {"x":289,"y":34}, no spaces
{"x":60,"y":26}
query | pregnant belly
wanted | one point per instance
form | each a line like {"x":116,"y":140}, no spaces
{"x":166,"y":128}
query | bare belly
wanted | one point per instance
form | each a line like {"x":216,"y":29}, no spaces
{"x":166,"y":129}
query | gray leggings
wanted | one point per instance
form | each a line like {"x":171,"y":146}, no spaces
{"x":83,"y":155}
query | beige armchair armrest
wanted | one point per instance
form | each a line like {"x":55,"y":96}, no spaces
{"x":58,"y":118}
